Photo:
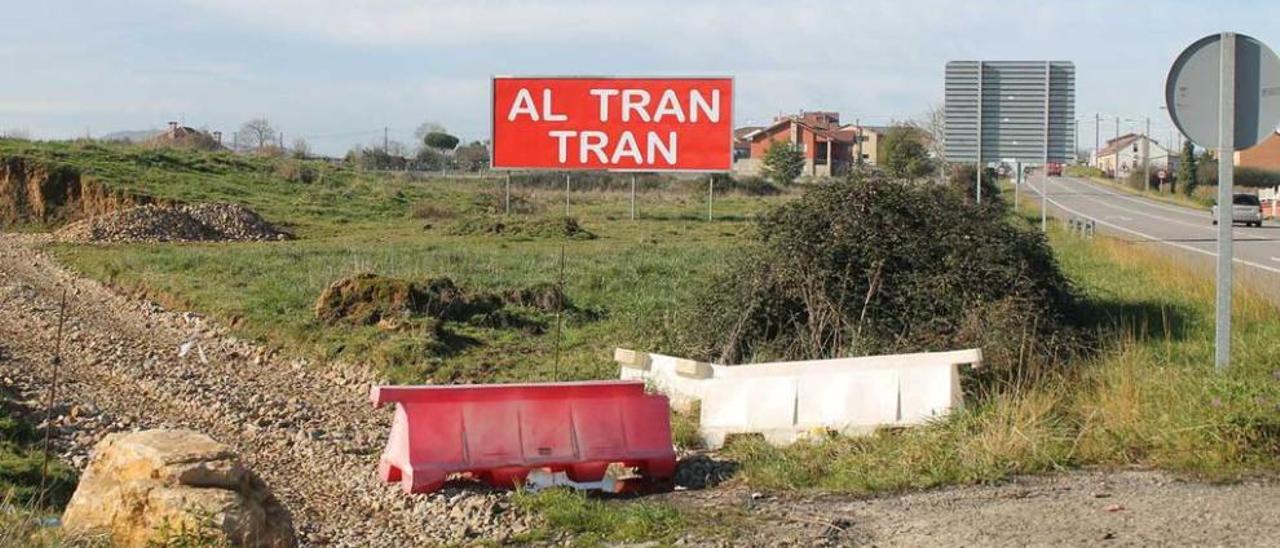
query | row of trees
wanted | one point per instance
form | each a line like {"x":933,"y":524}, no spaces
{"x":436,"y":149}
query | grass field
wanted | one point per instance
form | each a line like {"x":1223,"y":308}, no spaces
{"x":629,"y":283}
{"x":1148,"y":397}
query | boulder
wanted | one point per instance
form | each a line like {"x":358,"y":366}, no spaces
{"x":162,"y":486}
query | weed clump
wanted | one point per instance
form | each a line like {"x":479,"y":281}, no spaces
{"x":528,"y":229}
{"x":869,"y":265}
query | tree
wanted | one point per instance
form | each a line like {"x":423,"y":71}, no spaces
{"x":301,"y":149}
{"x":427,"y":127}
{"x":783,"y":162}
{"x":1187,"y":166}
{"x":440,"y":141}
{"x":472,"y":157}
{"x":255,"y":134}
{"x":905,"y":154}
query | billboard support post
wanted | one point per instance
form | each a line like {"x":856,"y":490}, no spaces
{"x":711,"y":191}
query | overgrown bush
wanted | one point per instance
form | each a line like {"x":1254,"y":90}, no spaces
{"x":869,"y":265}
{"x":1134,"y":180}
{"x":1247,"y":177}
{"x":297,"y":171}
{"x":963,"y":181}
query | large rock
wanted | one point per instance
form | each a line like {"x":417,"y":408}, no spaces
{"x":143,"y":486}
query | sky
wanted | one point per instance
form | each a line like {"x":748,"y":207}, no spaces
{"x":337,"y":72}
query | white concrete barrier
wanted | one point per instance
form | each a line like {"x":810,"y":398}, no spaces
{"x":785,"y":400}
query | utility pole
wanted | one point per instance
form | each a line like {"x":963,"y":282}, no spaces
{"x":1097,"y":132}
{"x":386,"y":143}
{"x":1075,"y":131}
{"x":1117,"y":127}
{"x":1146,"y":155}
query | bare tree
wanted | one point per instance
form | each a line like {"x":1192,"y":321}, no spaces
{"x":255,"y":134}
{"x":301,"y":149}
{"x":933,"y":122}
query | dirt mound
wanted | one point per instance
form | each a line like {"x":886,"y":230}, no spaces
{"x":368,"y":299}
{"x":186,"y":223}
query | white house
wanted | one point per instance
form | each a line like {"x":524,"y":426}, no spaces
{"x":1123,"y":155}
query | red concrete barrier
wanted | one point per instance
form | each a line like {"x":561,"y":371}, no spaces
{"x":499,"y":432}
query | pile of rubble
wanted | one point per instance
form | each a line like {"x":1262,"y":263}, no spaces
{"x":183,"y":223}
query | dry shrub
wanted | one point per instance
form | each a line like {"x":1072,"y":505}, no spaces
{"x":430,"y":210}
{"x":871,"y":265}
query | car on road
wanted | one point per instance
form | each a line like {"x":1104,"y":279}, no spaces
{"x":1053,"y":169}
{"x":1245,"y":208}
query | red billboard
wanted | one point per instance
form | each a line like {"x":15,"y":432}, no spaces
{"x":620,"y":124}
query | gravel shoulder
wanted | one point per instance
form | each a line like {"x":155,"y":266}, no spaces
{"x":1091,"y":508}
{"x":312,"y":435}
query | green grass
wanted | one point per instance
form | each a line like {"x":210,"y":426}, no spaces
{"x":631,"y":280}
{"x":593,"y":521}
{"x":22,"y":464}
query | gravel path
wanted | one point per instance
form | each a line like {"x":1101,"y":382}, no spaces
{"x":310,"y":432}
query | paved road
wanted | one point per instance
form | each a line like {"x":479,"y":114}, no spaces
{"x":1185,"y":232}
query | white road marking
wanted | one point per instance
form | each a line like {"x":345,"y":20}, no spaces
{"x":1158,"y":240}
{"x":1152,"y":203}
{"x":1199,"y":226}
{"x":1120,"y":217}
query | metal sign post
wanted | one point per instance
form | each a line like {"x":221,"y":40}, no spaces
{"x":1017,"y":182}
{"x":1223,"y":92}
{"x":1044,"y":201}
{"x":1226,"y":207}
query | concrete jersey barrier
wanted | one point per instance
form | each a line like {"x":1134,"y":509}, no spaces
{"x":499,"y":433}
{"x":786,"y":400}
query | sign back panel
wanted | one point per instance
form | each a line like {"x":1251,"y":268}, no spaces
{"x":617,"y":124}
{"x":1019,"y":110}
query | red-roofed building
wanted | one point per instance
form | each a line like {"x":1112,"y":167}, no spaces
{"x":828,"y":147}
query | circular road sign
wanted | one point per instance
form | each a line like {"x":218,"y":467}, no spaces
{"x":1161,"y":174}
{"x":1192,"y":91}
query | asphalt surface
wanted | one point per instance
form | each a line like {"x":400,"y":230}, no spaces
{"x":1180,"y":231}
